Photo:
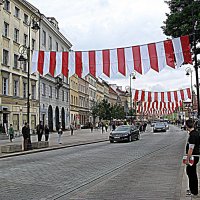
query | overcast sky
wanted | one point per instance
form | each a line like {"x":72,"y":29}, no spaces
{"x":105,"y":24}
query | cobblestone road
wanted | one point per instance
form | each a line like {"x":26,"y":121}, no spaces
{"x":145,"y":169}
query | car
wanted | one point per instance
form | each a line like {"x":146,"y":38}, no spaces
{"x":124,"y":133}
{"x":159,"y":127}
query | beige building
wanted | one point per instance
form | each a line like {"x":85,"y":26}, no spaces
{"x":74,"y":100}
{"x":83,"y":91}
{"x":100,"y":91}
{"x":106,"y":90}
{"x":92,"y":92}
{"x":14,"y":28}
{"x":114,"y":97}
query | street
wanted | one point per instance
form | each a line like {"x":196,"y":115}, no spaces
{"x":144,"y":169}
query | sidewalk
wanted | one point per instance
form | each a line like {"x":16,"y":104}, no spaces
{"x":80,"y":137}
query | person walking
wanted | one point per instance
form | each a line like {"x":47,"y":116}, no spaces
{"x":192,"y":149}
{"x":60,"y":132}
{"x":40,"y":131}
{"x":46,"y":132}
{"x":26,"y":136}
{"x":91,"y":127}
{"x":72,"y":129}
{"x":11,"y":132}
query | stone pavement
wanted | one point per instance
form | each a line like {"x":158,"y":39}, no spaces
{"x":83,"y":136}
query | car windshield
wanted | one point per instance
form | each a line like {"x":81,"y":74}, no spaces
{"x":123,"y":128}
{"x":160,"y":125}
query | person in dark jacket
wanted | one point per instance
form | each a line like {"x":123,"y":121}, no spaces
{"x":46,"y":132}
{"x":192,"y":149}
{"x":40,"y":131}
{"x":26,"y":136}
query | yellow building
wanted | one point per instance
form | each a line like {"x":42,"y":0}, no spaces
{"x":74,"y":100}
{"x":99,"y":92}
{"x":14,"y":28}
{"x":83,"y":101}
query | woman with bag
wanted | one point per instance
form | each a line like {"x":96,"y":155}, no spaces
{"x":60,"y":132}
{"x":11,"y":133}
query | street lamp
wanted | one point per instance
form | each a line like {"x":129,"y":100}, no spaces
{"x":26,"y":51}
{"x":189,"y":73}
{"x":132,"y":76}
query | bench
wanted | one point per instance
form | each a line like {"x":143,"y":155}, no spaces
{"x":39,"y":145}
{"x":11,"y":148}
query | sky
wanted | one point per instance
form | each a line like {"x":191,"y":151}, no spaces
{"x":106,"y":24}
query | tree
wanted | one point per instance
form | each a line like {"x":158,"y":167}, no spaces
{"x":104,"y":110}
{"x":181,"y":19}
{"x":117,"y":112}
{"x":95,"y":110}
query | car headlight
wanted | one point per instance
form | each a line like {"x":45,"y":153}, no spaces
{"x":125,"y":135}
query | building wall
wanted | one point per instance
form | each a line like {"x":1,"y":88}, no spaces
{"x":13,"y":102}
{"x":74,"y":100}
{"x":52,"y":40}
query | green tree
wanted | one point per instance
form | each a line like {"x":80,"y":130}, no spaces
{"x":117,"y":112}
{"x":104,"y":110}
{"x":95,"y":110}
{"x":182,"y":18}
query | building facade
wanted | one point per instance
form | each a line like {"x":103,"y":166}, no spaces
{"x":74,"y":100}
{"x":92,"y":93}
{"x":54,"y":91}
{"x":15,"y":28}
{"x":83,"y":91}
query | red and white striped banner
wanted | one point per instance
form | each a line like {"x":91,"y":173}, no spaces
{"x":156,"y":107}
{"x":111,"y":62}
{"x":170,"y":96}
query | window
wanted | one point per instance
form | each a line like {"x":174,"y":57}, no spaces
{"x":56,"y":46}
{"x":25,"y":18}
{"x":43,"y":89}
{"x":50,"y":43}
{"x":16,"y":35}
{"x":50,"y":91}
{"x":15,"y":61}
{"x":33,"y":87}
{"x":33,"y":44}
{"x":5,"y":86}
{"x":25,"y":40}
{"x":16,"y":88}
{"x":67,"y":98}
{"x":63,"y":95}
{"x":5,"y":57}
{"x":16,"y":12}
{"x":43,"y":38}
{"x":57,"y":93}
{"x":6,"y":29}
{"x":24,"y":90}
{"x":71,"y":99}
{"x":7,"y":5}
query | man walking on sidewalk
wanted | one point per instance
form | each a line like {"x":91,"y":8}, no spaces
{"x":192,"y":148}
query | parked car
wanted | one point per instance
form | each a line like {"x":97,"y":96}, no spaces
{"x":124,"y":133}
{"x":159,"y":127}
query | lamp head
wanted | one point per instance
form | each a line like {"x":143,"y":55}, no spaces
{"x":35,"y":26}
{"x":187,"y":73}
{"x":22,"y":58}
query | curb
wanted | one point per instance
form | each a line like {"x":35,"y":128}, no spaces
{"x":51,"y":148}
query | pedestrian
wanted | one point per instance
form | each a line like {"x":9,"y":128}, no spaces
{"x":71,"y":129}
{"x":102,"y":127}
{"x":106,"y":127}
{"x":11,"y":133}
{"x":39,"y":129}
{"x":60,"y":132}
{"x":46,"y":132}
{"x":192,"y":148}
{"x":113,"y":126}
{"x":91,"y":127}
{"x":26,"y":136}
{"x":144,"y":126}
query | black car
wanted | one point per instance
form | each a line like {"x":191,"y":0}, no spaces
{"x":159,"y":127}
{"x":124,"y":133}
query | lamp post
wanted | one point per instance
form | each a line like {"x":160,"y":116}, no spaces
{"x":26,"y":51}
{"x":189,"y":72}
{"x":132,"y":76}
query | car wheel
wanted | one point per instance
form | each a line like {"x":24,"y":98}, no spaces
{"x":130,"y":138}
{"x":111,"y":141}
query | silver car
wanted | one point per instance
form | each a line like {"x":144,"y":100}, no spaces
{"x":159,"y":127}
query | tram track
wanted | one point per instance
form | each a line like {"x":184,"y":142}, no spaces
{"x":106,"y":175}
